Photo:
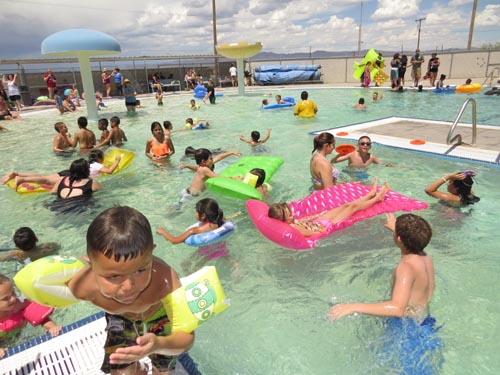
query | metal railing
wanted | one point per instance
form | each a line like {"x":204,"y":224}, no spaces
{"x":458,"y":137}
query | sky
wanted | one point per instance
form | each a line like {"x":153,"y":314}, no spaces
{"x":184,"y":27}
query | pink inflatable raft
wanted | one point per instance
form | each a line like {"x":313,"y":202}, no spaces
{"x":289,"y":237}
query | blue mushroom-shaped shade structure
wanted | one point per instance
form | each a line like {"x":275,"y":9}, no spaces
{"x":82,"y":43}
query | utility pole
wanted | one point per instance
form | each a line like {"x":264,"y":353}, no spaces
{"x":216,"y":59}
{"x":419,"y":27}
{"x":360,"y":25}
{"x":471,"y":29}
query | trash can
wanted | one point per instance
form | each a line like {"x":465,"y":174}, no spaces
{"x":25,"y":95}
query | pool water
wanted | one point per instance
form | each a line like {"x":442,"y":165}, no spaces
{"x":279,"y":298}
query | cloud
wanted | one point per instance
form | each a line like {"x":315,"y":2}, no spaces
{"x":454,"y":3}
{"x":396,"y":9}
{"x":490,"y":16}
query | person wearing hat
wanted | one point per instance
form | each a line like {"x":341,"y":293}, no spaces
{"x":416,"y":71}
{"x":129,"y":94}
{"x":106,"y":81}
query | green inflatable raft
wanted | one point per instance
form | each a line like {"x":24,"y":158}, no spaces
{"x":231,"y":187}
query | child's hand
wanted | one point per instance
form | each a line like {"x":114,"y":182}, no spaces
{"x":161,"y":231}
{"x":236,"y":153}
{"x":118,"y":158}
{"x":54,"y":331}
{"x":146,"y":345}
{"x":391,"y":222}
{"x":182,"y":166}
{"x":2,"y":352}
{"x":339,"y":311}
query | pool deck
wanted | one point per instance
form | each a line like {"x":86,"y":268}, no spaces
{"x":399,"y":132}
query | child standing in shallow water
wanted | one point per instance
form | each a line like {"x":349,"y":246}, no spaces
{"x":209,"y":216}
{"x":124,"y":279}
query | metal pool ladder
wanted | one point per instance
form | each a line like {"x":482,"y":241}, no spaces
{"x":458,"y":137}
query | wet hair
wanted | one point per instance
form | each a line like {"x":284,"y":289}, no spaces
{"x":25,"y":239}
{"x":322,"y":139}
{"x":115,"y":119}
{"x":265,"y":102}
{"x":464,"y":188}
{"x":202,"y":154}
{"x":211,"y":211}
{"x":189,"y":120}
{"x":304,"y":95}
{"x":121,"y":233}
{"x":364,"y":137}
{"x":95,"y":155}
{"x":103,"y":121}
{"x":468,"y":81}
{"x":400,"y":88}
{"x":189,"y":150}
{"x":78,"y":170}
{"x":255,"y":135}
{"x":167,"y":125}
{"x":58,"y":126}
{"x":278,"y":210}
{"x":442,"y":77}
{"x":82,"y":122}
{"x":420,"y":88}
{"x":154,"y":125}
{"x":261,"y":176}
{"x":361,"y":101}
{"x":414,"y":232}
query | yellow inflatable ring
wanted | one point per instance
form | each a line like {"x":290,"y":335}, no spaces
{"x":471,"y":88}
{"x":198,"y":299}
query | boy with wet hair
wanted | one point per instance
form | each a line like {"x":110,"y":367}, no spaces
{"x":413,"y":278}
{"x":360,"y":157}
{"x":84,"y":136}
{"x":203,"y":171}
{"x":255,"y":138}
{"x":27,"y":249}
{"x":62,"y":141}
{"x":125,"y":280}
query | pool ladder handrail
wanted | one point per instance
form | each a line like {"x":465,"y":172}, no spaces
{"x":458,"y":137}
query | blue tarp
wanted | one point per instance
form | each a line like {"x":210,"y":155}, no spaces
{"x":283,"y":77}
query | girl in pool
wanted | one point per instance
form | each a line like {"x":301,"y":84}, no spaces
{"x":158,"y":146}
{"x":209,"y":217}
{"x":96,"y":158}
{"x":323,"y":174}
{"x":459,"y":186}
{"x":315,"y":224}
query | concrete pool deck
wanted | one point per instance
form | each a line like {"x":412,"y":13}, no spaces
{"x":399,"y":132}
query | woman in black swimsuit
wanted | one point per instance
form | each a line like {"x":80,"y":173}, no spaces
{"x":78,"y":184}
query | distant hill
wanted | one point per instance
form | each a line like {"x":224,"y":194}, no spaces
{"x":329,"y":54}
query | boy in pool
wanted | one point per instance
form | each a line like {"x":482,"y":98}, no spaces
{"x":11,"y":308}
{"x":204,"y":170}
{"x":116,"y":136}
{"x":360,"y":157}
{"x":413,"y":277}
{"x":124,"y":279}
{"x":27,"y":248}
{"x":361,"y":104}
{"x":255,"y":138}
{"x":102,"y":125}
{"x":84,"y":136}
{"x":62,"y":141}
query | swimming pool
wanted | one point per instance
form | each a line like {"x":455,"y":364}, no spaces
{"x":279,"y":298}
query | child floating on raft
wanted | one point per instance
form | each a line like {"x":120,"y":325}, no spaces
{"x":312,"y":225}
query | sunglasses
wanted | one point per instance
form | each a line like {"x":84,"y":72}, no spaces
{"x":365,"y":143}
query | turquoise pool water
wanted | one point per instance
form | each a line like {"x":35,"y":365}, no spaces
{"x":279,"y":298}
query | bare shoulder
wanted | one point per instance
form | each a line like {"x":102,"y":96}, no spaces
{"x":164,"y":277}
{"x":82,"y":285}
